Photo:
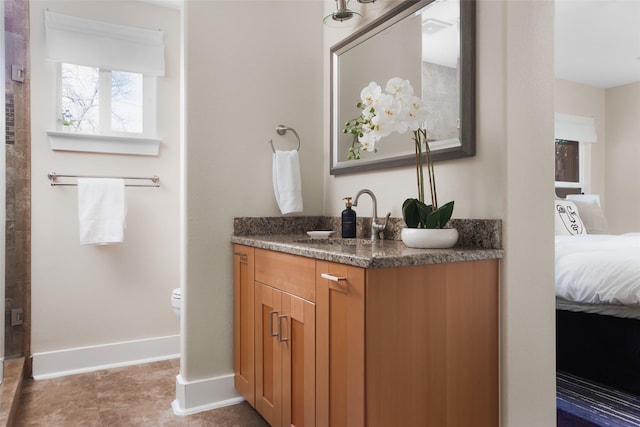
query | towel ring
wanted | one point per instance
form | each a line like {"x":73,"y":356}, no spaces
{"x":281,"y":130}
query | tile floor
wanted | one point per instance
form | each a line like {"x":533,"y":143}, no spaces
{"x":10,"y":389}
{"x":138,"y":395}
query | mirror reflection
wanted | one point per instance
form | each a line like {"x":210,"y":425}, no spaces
{"x":423,"y":42}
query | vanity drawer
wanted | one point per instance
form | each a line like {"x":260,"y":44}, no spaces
{"x":290,"y":273}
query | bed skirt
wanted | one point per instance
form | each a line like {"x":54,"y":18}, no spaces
{"x":601,"y":348}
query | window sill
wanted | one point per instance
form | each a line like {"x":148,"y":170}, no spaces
{"x":70,"y":141}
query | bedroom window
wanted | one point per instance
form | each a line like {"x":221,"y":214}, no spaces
{"x":569,"y":176}
{"x":573,"y":138}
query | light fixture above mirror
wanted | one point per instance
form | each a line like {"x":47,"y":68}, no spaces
{"x":341,"y":14}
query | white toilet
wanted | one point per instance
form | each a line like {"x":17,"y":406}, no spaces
{"x":176,"y":297}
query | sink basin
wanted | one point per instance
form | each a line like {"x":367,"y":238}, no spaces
{"x":336,"y":241}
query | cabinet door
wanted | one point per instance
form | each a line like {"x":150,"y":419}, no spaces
{"x":285,"y":358}
{"x":243,"y":322}
{"x":297,"y":328}
{"x":432,"y":345}
{"x":268,"y":306}
{"x":340,"y":346}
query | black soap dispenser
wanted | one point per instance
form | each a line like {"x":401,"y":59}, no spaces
{"x":348,"y":220}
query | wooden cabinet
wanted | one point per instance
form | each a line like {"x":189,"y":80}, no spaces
{"x":285,"y":358}
{"x":340,"y":334}
{"x":243,"y":322}
{"x":407,"y":346}
{"x":432,"y":345}
{"x":285,"y":339}
{"x":337,"y":345}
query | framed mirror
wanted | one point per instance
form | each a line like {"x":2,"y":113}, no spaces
{"x":431,"y":43}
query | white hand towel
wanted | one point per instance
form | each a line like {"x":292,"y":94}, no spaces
{"x":101,"y":210}
{"x":287,"y":185}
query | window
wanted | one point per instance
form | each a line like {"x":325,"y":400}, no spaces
{"x":573,"y":138}
{"x":568,"y":170}
{"x":103,"y":102}
{"x":567,"y":161}
{"x":106,"y":85}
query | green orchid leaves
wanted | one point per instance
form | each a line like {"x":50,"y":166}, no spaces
{"x":418,"y":215}
{"x":413,"y":210}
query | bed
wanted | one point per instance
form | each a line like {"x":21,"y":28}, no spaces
{"x":597,"y":299}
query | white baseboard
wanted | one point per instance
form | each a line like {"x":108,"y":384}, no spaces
{"x":203,"y":395}
{"x":51,"y":364}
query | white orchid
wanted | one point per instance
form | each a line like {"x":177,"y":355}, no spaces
{"x":388,"y":109}
{"x":398,"y":86}
{"x":368,"y":141}
{"x":370,"y":94}
{"x":399,"y":110}
{"x":414,"y":112}
{"x":382,"y":113}
{"x":382,"y":126}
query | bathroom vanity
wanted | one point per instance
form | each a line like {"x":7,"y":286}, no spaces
{"x":353,"y":332}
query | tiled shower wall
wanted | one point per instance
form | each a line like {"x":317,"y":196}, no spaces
{"x":18,"y":178}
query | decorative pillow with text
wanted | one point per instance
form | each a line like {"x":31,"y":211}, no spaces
{"x":567,"y":219}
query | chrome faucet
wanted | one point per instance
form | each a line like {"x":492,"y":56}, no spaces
{"x":376,"y":228}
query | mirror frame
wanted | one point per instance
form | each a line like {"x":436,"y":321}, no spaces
{"x":467,"y":87}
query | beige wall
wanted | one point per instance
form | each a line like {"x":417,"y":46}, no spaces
{"x":528,"y":297}
{"x":91,"y":295}
{"x":587,"y":101}
{"x":623,"y":149}
{"x":512,"y":172}
{"x":243,"y":80}
{"x":611,"y":159}
{"x":250,"y":65}
{"x":511,"y":177}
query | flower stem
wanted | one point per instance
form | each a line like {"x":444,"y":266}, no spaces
{"x":432,"y":175}
{"x":419,"y":171}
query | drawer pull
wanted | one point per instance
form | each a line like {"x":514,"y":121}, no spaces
{"x":280,"y":334}
{"x":332,"y":277}
{"x":271,"y":313}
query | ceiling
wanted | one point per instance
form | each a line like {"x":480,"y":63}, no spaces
{"x":597,"y":42}
{"x":441,"y":33}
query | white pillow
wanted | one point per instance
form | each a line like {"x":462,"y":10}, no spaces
{"x":567,"y":220}
{"x":592,"y":217}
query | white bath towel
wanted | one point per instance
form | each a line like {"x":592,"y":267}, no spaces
{"x":287,"y":185}
{"x":101,"y":210}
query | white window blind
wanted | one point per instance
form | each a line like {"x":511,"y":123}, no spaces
{"x":104,"y":45}
{"x":575,"y":128}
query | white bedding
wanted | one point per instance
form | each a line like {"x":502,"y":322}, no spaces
{"x":598,"y":268}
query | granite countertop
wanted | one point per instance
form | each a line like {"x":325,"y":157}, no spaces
{"x":479,"y":239}
{"x":363,"y":252}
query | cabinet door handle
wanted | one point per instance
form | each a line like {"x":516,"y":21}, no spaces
{"x":332,"y":277}
{"x":273,"y":334}
{"x":243,"y":257}
{"x":280,"y":334}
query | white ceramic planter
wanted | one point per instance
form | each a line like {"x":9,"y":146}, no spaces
{"x":429,"y":238}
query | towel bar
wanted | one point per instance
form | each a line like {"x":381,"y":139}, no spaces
{"x":54,"y":176}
